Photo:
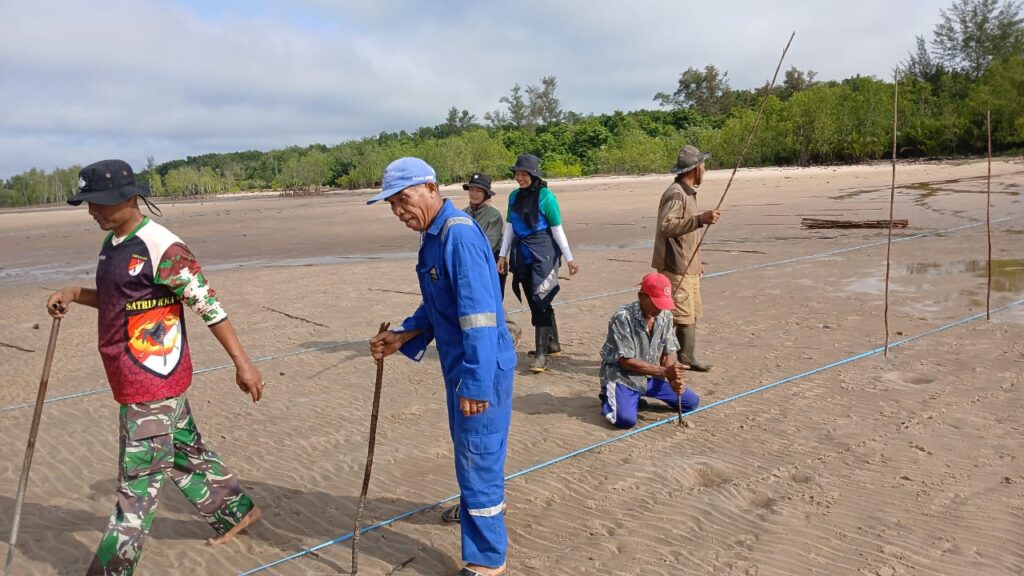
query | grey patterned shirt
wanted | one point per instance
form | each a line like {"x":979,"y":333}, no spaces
{"x":628,"y":338}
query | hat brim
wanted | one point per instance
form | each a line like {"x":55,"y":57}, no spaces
{"x":530,"y":171}
{"x":487,"y":190}
{"x":663,"y":302}
{"x":388,"y":193}
{"x":384,"y":195}
{"x":110,"y":197}
{"x":677,"y":169}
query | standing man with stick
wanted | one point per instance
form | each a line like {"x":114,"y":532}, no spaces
{"x":676,"y":250}
{"x":462,"y":311}
{"x":144,"y":275}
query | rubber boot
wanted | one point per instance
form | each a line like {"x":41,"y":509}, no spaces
{"x":554,"y":346}
{"x":540,"y":357}
{"x":687,"y":336}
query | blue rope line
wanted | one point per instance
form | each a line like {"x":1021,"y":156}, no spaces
{"x":636,"y":431}
{"x":518,"y":310}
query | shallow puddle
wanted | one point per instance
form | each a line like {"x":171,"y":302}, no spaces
{"x":1007,"y":275}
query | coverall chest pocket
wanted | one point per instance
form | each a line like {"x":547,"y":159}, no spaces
{"x":433,"y":279}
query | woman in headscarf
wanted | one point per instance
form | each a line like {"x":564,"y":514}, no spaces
{"x":532,"y":246}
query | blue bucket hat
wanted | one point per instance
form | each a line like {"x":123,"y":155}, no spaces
{"x":401,"y":174}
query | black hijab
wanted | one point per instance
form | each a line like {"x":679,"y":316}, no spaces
{"x":527,"y":202}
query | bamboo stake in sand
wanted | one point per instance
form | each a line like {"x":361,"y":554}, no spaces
{"x":369,"y":456}
{"x":988,"y":216}
{"x":31,"y":448}
{"x":892,"y":201}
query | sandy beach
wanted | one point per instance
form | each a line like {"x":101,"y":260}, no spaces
{"x":906,"y":464}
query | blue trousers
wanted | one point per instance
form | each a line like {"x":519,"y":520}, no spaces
{"x":480,"y":444}
{"x":619,"y":403}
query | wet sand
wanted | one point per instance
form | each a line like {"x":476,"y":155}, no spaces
{"x":906,"y":464}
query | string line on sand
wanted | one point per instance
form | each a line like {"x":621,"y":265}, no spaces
{"x":634,"y":432}
{"x":334,"y":345}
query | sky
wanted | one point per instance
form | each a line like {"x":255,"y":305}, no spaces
{"x":84,"y":81}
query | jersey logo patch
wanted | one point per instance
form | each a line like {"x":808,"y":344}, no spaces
{"x":135,"y":265}
{"x":155,"y":339}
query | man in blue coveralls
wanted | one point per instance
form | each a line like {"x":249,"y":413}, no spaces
{"x":462,"y":312}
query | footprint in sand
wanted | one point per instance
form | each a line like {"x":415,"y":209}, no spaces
{"x":760,"y":499}
{"x":801,"y":477}
{"x":909,"y":378}
{"x":706,"y":476}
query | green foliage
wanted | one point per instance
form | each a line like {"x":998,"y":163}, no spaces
{"x":972,"y":34}
{"x":706,"y":91}
{"x":562,"y":166}
{"x":36,"y":187}
{"x":1000,"y":91}
{"x":526,"y":109}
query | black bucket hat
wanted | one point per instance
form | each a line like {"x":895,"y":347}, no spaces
{"x":107,"y":182}
{"x":528,"y":163}
{"x":481,"y":181}
{"x":689,"y":158}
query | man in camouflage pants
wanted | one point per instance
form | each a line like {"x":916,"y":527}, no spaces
{"x":144,"y":276}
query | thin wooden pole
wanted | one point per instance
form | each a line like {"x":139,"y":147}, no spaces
{"x":31,"y":448}
{"x":743,"y":152}
{"x":374,"y":413}
{"x":892,"y":201}
{"x":679,"y":406}
{"x":988,"y":216}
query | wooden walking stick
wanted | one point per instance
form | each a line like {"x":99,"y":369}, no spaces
{"x":892,"y":201}
{"x":369,"y":456}
{"x":32,"y":433}
{"x":988,"y":216}
{"x":743,"y":152}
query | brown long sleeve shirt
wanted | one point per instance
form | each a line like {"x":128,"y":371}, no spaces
{"x":675,"y":237}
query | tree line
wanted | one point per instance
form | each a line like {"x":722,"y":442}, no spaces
{"x":973,"y":62}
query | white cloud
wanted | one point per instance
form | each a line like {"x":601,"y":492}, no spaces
{"x":131,"y":78}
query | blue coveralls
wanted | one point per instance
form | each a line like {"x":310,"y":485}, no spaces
{"x":462,"y":312}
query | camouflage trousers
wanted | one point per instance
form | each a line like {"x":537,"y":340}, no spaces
{"x":157,"y":440}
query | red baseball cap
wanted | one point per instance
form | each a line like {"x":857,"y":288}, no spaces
{"x":658,"y":287}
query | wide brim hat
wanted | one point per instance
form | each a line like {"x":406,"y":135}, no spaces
{"x":528,"y":163}
{"x":689,"y":158}
{"x":107,"y":182}
{"x":481,"y":181}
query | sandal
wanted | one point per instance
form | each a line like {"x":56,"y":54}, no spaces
{"x":467,"y":571}
{"x":454,"y":514}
